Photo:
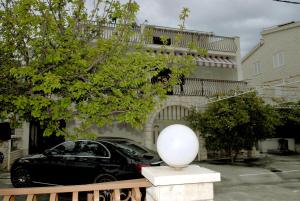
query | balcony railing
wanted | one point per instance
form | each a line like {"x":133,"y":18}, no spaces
{"x":109,"y":191}
{"x":108,"y":31}
{"x":200,"y":39}
{"x":208,"y":87}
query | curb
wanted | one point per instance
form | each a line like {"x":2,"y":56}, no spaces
{"x":4,"y":175}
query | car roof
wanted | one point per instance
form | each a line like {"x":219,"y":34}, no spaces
{"x":112,"y":138}
{"x":115,"y":140}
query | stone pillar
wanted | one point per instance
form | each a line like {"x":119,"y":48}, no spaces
{"x":148,"y":136}
{"x":202,"y":154}
{"x":187,"y":184}
{"x":25,"y":137}
{"x":238,"y":59}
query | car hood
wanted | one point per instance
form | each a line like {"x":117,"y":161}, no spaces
{"x":30,"y":157}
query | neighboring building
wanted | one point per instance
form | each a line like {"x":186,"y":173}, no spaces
{"x":273,"y":65}
{"x":218,"y":72}
{"x":273,"y":68}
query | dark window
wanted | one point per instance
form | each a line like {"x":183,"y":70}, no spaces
{"x":5,"y":131}
{"x":81,"y":148}
{"x":163,"y":77}
{"x":88,"y":148}
{"x":66,"y":148}
{"x":157,"y":40}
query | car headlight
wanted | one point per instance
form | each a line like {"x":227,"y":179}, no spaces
{"x":24,"y":161}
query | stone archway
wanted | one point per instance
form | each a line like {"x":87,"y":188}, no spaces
{"x":173,"y":112}
{"x":169,"y":115}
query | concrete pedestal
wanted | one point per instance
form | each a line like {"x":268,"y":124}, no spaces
{"x":187,"y":184}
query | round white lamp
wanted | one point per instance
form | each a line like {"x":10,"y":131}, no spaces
{"x":177,"y":145}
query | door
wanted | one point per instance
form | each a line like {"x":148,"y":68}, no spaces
{"x":88,"y":159}
{"x":54,"y":167}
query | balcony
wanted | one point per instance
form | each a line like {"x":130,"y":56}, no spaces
{"x":205,"y":40}
{"x":208,"y":87}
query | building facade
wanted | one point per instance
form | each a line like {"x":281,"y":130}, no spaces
{"x":218,"y":72}
{"x":273,"y":65}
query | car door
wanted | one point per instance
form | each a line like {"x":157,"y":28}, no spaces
{"x":53,"y":167}
{"x":90,"y":159}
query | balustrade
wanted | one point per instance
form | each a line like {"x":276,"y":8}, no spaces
{"x":109,"y":191}
{"x":208,"y":87}
{"x":200,"y":39}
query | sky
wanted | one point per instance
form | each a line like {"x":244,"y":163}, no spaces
{"x":243,"y":18}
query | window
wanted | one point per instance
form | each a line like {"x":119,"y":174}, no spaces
{"x":278,"y":59}
{"x":83,"y":148}
{"x":66,"y":148}
{"x":6,"y":131}
{"x":257,"y":68}
{"x":159,"y":41}
{"x":89,"y":148}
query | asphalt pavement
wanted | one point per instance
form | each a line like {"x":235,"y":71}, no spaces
{"x":5,"y":180}
{"x":271,"y":178}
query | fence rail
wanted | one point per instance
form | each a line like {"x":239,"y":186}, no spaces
{"x":208,"y":87}
{"x":109,"y":191}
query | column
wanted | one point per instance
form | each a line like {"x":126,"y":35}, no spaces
{"x":186,"y":184}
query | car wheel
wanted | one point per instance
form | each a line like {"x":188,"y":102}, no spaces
{"x":21,"y":177}
{"x":104,"y":178}
{"x":105,"y":195}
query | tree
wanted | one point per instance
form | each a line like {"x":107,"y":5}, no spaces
{"x":234,"y":124}
{"x":57,"y":63}
{"x":290,"y":120}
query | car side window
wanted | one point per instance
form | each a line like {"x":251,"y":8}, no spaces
{"x":101,"y":151}
{"x":65,"y":148}
{"x":88,"y":148}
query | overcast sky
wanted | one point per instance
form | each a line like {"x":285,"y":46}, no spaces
{"x":243,"y":18}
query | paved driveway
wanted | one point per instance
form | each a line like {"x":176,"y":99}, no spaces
{"x":276,"y":178}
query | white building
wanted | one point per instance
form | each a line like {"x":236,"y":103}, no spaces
{"x":273,"y":65}
{"x":218,"y":72}
{"x":273,"y":68}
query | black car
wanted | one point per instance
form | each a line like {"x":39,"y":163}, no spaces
{"x":82,"y":162}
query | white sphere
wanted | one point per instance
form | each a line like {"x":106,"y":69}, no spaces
{"x":177,"y":145}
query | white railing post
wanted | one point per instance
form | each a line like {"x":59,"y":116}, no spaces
{"x":186,"y":184}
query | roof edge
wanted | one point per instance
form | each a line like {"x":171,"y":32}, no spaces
{"x":252,"y":51}
{"x":281,"y":27}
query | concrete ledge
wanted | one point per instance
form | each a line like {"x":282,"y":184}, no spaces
{"x":165,"y":175}
{"x":187,"y":192}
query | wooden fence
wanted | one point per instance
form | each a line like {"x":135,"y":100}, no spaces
{"x":109,"y":191}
